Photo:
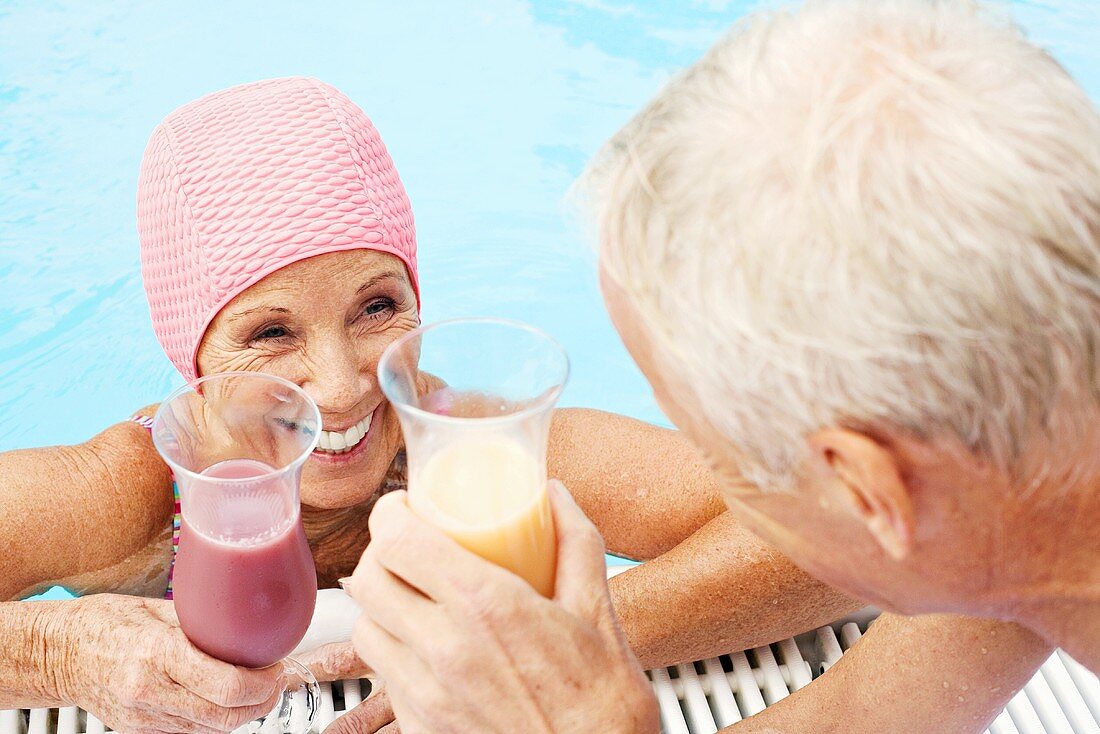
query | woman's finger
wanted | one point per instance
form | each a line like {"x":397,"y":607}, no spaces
{"x":182,"y":725}
{"x":371,"y":716}
{"x":334,"y":661}
{"x":225,"y":685}
{"x":200,"y":716}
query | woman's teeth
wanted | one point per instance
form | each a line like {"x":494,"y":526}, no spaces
{"x":339,"y":442}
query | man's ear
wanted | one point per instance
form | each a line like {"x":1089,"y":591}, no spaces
{"x":864,"y":475}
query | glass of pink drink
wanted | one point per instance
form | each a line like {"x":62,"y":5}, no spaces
{"x":244,"y":583}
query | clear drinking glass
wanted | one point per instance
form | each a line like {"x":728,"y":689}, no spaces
{"x":476,"y":437}
{"x":244,"y":583}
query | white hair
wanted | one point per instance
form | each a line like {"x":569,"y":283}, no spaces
{"x":865,"y":213}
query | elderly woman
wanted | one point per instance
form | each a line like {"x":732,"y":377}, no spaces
{"x":276,"y":236}
{"x":856,"y":251}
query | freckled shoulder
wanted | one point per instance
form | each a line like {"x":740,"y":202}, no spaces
{"x":137,"y":485}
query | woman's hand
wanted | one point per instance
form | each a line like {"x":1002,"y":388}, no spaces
{"x":334,"y":661}
{"x":126,"y":660}
{"x":466,"y":646}
{"x":373,"y":716}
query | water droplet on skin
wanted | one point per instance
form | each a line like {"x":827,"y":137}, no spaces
{"x":961,"y":699}
{"x":984,"y":651}
{"x":945,"y":685}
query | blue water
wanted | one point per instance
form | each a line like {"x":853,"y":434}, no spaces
{"x":489,"y":108}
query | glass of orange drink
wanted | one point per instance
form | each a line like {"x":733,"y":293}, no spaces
{"x":475,"y":398}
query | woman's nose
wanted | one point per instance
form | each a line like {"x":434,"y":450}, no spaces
{"x":339,"y":377}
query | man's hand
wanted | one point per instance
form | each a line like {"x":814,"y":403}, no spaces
{"x":467,"y":646}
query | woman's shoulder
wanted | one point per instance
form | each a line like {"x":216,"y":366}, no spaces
{"x":108,"y":500}
{"x":129,"y":485}
{"x":128,"y":456}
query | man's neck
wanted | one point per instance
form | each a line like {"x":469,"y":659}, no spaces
{"x":1057,"y":592}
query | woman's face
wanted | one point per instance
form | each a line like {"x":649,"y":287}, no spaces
{"x":322,"y":323}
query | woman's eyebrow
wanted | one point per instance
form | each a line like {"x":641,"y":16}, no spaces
{"x":376,"y":279}
{"x":257,"y":309}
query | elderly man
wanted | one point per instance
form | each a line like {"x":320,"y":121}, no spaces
{"x":856,"y":251}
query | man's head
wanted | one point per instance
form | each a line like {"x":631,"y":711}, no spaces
{"x":856,"y":249}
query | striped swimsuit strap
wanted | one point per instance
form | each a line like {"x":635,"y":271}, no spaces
{"x":147,"y":423}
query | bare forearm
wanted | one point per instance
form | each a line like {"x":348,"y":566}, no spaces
{"x":645,"y":487}
{"x":721,"y":589}
{"x":29,"y":638}
{"x":913,"y":675}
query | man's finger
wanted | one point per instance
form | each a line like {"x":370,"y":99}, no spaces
{"x":427,"y":559}
{"x":371,"y":716}
{"x":582,"y":569}
{"x":395,"y":606}
{"x":399,"y":666}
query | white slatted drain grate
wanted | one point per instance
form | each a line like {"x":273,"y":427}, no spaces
{"x":700,"y":698}
{"x":703,"y":697}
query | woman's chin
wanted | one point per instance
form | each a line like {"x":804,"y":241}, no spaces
{"x":336,"y":495}
{"x":334,"y":486}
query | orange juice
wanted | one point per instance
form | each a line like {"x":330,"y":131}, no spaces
{"x":490,"y":495}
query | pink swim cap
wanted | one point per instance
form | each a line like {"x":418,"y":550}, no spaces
{"x":248,"y":180}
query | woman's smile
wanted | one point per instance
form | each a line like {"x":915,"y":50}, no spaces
{"x":340,"y":447}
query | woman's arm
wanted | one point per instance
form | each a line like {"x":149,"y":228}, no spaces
{"x":645,"y":487}
{"x":81,"y":511}
{"x":912,"y":675}
{"x":721,"y":589}
{"x":125,"y":660}
{"x":27,"y":676}
{"x":85,"y":513}
{"x":712,"y":586}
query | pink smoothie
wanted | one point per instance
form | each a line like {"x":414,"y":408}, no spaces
{"x":247,"y":603}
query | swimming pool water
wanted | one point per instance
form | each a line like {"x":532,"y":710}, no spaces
{"x":489,"y":109}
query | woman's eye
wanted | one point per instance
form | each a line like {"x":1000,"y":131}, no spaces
{"x":377,"y":307}
{"x":272,"y":332}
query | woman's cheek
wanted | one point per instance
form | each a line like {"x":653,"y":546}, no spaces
{"x":216,"y":356}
